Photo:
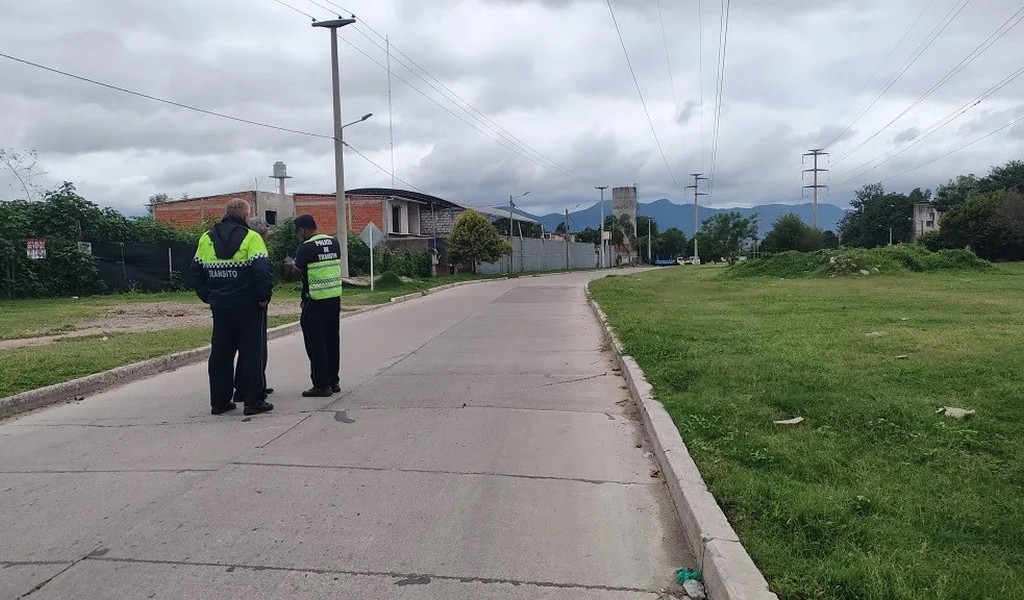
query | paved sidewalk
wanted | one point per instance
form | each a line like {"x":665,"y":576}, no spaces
{"x":477,"y":450}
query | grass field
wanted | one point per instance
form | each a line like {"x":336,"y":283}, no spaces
{"x":874,"y":496}
{"x":38,"y":317}
{"x":28,"y":368}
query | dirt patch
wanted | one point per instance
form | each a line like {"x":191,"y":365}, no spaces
{"x":142,"y":316}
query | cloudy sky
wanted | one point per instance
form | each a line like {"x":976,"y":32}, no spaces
{"x":546,"y":78}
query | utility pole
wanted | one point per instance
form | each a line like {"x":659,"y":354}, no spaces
{"x":391,"y":118}
{"x":815,"y":153}
{"x":511,"y":256}
{"x":339,"y":143}
{"x":696,"y":219}
{"x":602,"y":188}
{"x":649,"y":240}
{"x":566,"y":232}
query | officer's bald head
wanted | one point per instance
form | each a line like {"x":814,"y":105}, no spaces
{"x":238,"y":207}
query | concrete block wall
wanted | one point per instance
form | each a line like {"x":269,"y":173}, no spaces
{"x":440,"y":223}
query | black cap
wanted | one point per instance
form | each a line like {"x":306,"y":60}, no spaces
{"x":305,"y":222}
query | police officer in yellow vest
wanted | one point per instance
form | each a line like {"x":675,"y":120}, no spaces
{"x":231,"y":273}
{"x":319,"y":259}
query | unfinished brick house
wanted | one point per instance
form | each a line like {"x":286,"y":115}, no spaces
{"x":411,"y":221}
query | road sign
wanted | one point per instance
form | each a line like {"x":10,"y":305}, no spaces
{"x":36,"y":248}
{"x":371,"y":235}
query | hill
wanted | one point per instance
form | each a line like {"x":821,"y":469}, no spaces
{"x":669,"y":214}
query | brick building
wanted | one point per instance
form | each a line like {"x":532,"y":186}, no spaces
{"x":411,"y":221}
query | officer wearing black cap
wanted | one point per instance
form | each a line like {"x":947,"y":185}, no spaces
{"x":319,"y":260}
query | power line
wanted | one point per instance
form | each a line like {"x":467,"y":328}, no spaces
{"x":201,"y":110}
{"x":643,"y":103}
{"x":878,"y":69}
{"x":1001,"y":31}
{"x":723,"y":35}
{"x":958,"y":148}
{"x":672,"y":82}
{"x":450,"y":95}
{"x":917,"y":139}
{"x":937,"y":31}
{"x":382,"y":169}
{"x":485,"y":122}
{"x":163,"y":100}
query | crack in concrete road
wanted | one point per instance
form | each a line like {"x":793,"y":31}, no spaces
{"x":439,"y":472}
{"x":43,"y":583}
{"x":576,"y":380}
{"x":419,"y":578}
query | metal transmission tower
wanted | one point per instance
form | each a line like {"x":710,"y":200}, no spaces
{"x":815,"y":153}
{"x":697,"y":177}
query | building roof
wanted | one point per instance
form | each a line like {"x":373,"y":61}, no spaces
{"x":403,"y":194}
{"x":501,"y":213}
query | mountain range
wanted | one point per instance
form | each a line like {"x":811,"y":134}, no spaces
{"x":669,"y":214}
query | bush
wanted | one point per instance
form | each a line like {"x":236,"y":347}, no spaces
{"x":851,"y":261}
{"x":404,"y":264}
{"x":389,"y":279}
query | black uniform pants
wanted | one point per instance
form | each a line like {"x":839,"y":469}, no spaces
{"x":236,"y":331}
{"x":240,"y":372}
{"x":321,"y":322}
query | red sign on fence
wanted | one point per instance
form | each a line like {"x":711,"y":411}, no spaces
{"x":36,"y":248}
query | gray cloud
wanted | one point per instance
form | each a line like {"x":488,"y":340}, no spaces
{"x":551,"y":72}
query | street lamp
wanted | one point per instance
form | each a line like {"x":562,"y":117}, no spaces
{"x":602,"y":188}
{"x":360,"y":120}
{"x":511,"y":205}
{"x":339,"y":143}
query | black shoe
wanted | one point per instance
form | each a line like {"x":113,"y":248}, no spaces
{"x":315,"y":392}
{"x":219,"y":410}
{"x":258,"y":408}
{"x":268,"y":391}
{"x":335,"y":388}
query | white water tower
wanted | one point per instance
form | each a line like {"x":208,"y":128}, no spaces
{"x":280,"y":174}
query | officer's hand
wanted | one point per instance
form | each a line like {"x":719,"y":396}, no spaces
{"x":289,"y":262}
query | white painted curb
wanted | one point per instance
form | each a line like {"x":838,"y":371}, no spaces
{"x":728,"y":571}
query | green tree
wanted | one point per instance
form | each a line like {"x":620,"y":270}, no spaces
{"x":789,"y":232}
{"x":875,"y":212}
{"x":989,"y":223}
{"x":645,"y":237}
{"x":475,"y":240}
{"x":623,"y":235}
{"x":672,"y":244}
{"x":1007,"y":177}
{"x":527,"y":230}
{"x":725,"y":234}
{"x":956,"y":191}
{"x":589,"y":236}
{"x":156,"y":199}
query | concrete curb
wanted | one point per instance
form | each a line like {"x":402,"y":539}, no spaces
{"x":728,"y":571}
{"x":105,"y":380}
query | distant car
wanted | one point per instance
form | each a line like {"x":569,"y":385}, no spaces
{"x":664,"y":262}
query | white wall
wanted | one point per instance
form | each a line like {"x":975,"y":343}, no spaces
{"x":532,"y":255}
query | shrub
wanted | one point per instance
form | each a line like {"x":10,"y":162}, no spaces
{"x":851,"y":261}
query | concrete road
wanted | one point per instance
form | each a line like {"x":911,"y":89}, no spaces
{"x":479,"y":449}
